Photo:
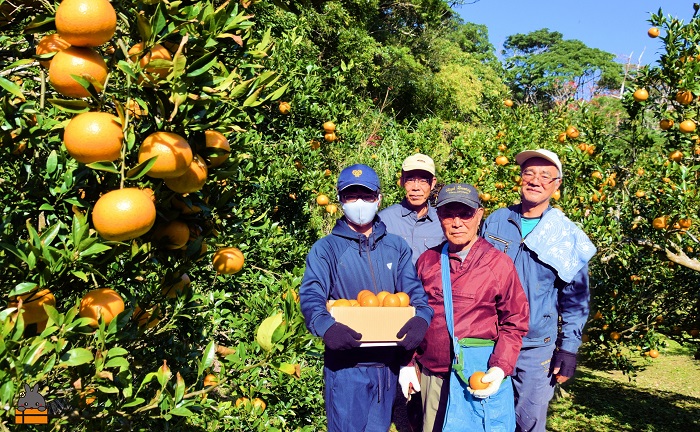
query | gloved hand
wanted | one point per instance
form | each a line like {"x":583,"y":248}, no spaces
{"x":408,"y":379}
{"x":563,"y":365}
{"x":494,"y":376}
{"x":414,"y":330}
{"x":341,"y":337}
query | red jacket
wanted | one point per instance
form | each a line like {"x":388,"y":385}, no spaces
{"x":488,"y":303}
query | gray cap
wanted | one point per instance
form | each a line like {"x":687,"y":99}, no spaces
{"x":550,"y":156}
{"x":459,"y":192}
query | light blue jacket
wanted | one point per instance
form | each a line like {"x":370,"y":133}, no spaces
{"x":421,"y":234}
{"x":550,"y":297}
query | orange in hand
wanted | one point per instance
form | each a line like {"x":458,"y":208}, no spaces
{"x":475,"y":381}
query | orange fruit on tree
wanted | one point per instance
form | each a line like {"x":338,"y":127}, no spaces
{"x":150,"y":193}
{"x":33,"y":305}
{"x":556,"y":195}
{"x":329,"y":127}
{"x":508,"y":103}
{"x":144,"y":318}
{"x":501,"y":160}
{"x":173,"y":151}
{"x":330,"y":136}
{"x":322,"y":200}
{"x":86,"y":23}
{"x":93,"y":137}
{"x":369,"y":300}
{"x":684,"y":97}
{"x":123,"y":214}
{"x":259,"y":404}
{"x":331,"y":209}
{"x":217,"y":140}
{"x":178,"y":288}
{"x":172,"y":235}
{"x":403,"y":298}
{"x":134,"y":109}
{"x":192,"y":180}
{"x":562,"y":137}
{"x":572,"y":132}
{"x":687,"y":126}
{"x":342,"y":303}
{"x":666,"y":124}
{"x":391,"y":300}
{"x":50,"y":44}
{"x":640,"y":194}
{"x":211,"y":380}
{"x":475,"y":381}
{"x":653,"y":353}
{"x":74,"y":60}
{"x":660,"y":222}
{"x":653,"y":32}
{"x":676,"y":156}
{"x":285,"y":107}
{"x":640,"y":95}
{"x":228,"y":260}
{"x":381,"y":295}
{"x":139,"y":53}
{"x":101,"y":302}
{"x":685,"y":223}
{"x":615,"y":335}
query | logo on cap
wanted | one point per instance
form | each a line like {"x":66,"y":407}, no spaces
{"x":357,"y":172}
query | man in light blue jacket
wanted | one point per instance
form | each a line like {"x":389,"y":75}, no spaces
{"x":551,"y":256}
{"x":359,"y":254}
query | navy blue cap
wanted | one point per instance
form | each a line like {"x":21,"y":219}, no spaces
{"x":358,"y":175}
{"x":459,"y":193}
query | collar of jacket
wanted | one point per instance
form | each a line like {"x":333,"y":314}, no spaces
{"x":516,"y":213}
{"x":405,"y":211}
{"x":341,"y":229}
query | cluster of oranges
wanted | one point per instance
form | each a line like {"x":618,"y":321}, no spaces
{"x":367,"y":298}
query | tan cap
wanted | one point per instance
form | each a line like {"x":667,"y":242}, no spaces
{"x":418,"y":161}
{"x":523,"y":156}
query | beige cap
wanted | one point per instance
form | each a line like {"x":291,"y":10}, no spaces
{"x":418,"y":161}
{"x":523,"y":156}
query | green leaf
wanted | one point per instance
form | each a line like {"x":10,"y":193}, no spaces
{"x":137,"y":401}
{"x":240,"y":89}
{"x":278,"y":93}
{"x":141,"y":169}
{"x":179,"y":388}
{"x":252,"y":100}
{"x":116,"y":352}
{"x":11,"y":87}
{"x":52,"y":162}
{"x":94,"y":250}
{"x":104,"y":166}
{"x":199,"y":66}
{"x":208,"y":357}
{"x":181,"y":411}
{"x":119,"y":362}
{"x":22,"y":288}
{"x":267,"y":329}
{"x":76,"y":357}
{"x":72,"y":106}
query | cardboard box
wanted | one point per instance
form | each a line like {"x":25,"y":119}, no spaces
{"x":378,"y":325}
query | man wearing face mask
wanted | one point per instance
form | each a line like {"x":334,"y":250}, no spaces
{"x":360,"y":382}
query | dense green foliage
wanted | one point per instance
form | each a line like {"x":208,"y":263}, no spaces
{"x":396,"y":79}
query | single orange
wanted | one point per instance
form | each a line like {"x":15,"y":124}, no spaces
{"x":329,"y":127}
{"x":259,"y":404}
{"x":123,"y":214}
{"x":475,"y":381}
{"x":228,"y":260}
{"x":341,"y":303}
{"x":363,"y":293}
{"x":330,"y":136}
{"x":404,"y":298}
{"x":178,"y":288}
{"x":33,"y":305}
{"x":684,"y":97}
{"x":391,"y":300}
{"x":653,"y":353}
{"x":687,"y":126}
{"x":78,"y":61}
{"x":217,"y":140}
{"x":369,"y":300}
{"x":192,"y":180}
{"x":50,"y":44}
{"x":322,"y":200}
{"x":285,"y":107}
{"x":171,"y":235}
{"x":381,"y":295}
{"x":173,"y":151}
{"x":508,"y":103}
{"x":666,"y":124}
{"x":104,"y":302}
{"x":640,"y":95}
{"x":134,"y":109}
{"x":331,"y":209}
{"x":211,"y":380}
{"x":93,"y":137}
{"x":145,"y":318}
{"x":242,"y":402}
{"x":501,"y":160}
{"x":86,"y":23}
{"x":157,"y":52}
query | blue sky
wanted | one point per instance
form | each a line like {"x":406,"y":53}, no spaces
{"x":616,"y":26}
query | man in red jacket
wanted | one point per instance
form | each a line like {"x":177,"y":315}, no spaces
{"x":489,"y":310}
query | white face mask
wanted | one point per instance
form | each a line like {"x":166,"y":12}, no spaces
{"x":361,"y":212}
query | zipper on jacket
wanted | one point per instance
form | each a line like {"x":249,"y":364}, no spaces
{"x":369,"y":261}
{"x":505,"y":243}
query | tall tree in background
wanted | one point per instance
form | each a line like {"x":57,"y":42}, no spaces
{"x":543,"y":68}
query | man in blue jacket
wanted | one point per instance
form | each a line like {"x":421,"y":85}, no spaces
{"x":360,"y":382}
{"x":551,"y":256}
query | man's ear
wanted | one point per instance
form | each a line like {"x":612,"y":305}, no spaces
{"x":433,"y":183}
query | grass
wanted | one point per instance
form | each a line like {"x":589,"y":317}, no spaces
{"x":664,"y":396}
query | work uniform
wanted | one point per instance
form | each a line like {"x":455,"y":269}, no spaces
{"x":420,"y":233}
{"x":555,"y":280}
{"x":360,"y":383}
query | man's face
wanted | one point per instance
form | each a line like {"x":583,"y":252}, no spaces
{"x":460,"y":224}
{"x":353,"y":193}
{"x":541,"y":179}
{"x":418,"y":184}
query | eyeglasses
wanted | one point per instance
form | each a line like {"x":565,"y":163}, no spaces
{"x":545,"y":179}
{"x":450,"y":215}
{"x":418,"y":180}
{"x":351,"y":198}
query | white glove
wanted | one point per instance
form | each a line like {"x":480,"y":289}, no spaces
{"x":408,"y":379}
{"x":494,"y":376}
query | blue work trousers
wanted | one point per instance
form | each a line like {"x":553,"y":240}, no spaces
{"x":359,"y":399}
{"x":534,"y":387}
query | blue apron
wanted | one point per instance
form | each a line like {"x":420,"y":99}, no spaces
{"x":465,"y":412}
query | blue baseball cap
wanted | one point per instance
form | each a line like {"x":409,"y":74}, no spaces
{"x":358,"y":175}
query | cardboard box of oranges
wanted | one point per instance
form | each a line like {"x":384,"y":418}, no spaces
{"x":378,"y":324}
